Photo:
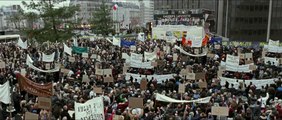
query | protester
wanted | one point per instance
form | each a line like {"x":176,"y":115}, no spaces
{"x":244,"y":101}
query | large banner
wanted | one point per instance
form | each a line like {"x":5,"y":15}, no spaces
{"x":150,"y":56}
{"x":140,"y":64}
{"x":80,"y":50}
{"x":273,"y":61}
{"x":48,"y":58}
{"x":5,"y":93}
{"x":159,"y":78}
{"x":257,"y":83}
{"x":273,"y":49}
{"x":176,"y":32}
{"x":189,"y":54}
{"x":33,"y":87}
{"x":91,"y":110}
{"x":236,"y":68}
{"x":163,"y":98}
{"x":125,"y":43}
{"x":136,"y":57}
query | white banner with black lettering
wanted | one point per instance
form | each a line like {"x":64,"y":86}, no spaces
{"x":91,"y":110}
{"x":136,"y":57}
{"x":273,"y":61}
{"x":236,"y":68}
{"x":140,"y":64}
{"x":232,"y":60}
{"x":163,"y":98}
{"x":48,"y":58}
{"x":189,"y":54}
{"x":257,"y":83}
{"x":150,"y":56}
{"x":159,"y":78}
{"x":273,"y":49}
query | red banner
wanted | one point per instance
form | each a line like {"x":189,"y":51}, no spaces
{"x":34,"y":88}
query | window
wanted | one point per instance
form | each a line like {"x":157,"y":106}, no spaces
{"x":265,"y":20}
{"x":237,"y":19}
{"x":251,"y":20}
{"x":252,"y":8}
{"x":260,"y":7}
{"x":265,"y":7}
{"x":259,"y":20}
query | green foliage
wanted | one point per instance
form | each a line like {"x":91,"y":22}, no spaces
{"x":55,"y":20}
{"x":102,"y":22}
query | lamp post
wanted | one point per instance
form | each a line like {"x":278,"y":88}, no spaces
{"x":10,"y":109}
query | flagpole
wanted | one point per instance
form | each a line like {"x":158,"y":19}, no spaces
{"x":51,"y":102}
{"x":269,"y":21}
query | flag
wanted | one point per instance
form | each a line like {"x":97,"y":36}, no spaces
{"x":5,"y":93}
{"x":205,"y":40}
{"x":22,"y":44}
{"x":189,"y":42}
{"x":183,"y":41}
{"x":115,"y":7}
{"x":67,"y":49}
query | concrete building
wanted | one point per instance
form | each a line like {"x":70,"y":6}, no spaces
{"x":249,"y":20}
{"x":87,"y":7}
{"x":5,"y":13}
{"x":127,"y":15}
{"x":147,"y":11}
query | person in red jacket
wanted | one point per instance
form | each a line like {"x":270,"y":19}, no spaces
{"x":279,"y":109}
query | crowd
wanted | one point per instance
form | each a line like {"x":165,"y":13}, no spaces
{"x":244,"y":103}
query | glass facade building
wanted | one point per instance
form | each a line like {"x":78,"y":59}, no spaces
{"x":247,"y":20}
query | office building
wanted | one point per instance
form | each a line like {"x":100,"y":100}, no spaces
{"x":248,"y":20}
{"x":127,"y":15}
{"x":5,"y":22}
{"x":87,"y":8}
{"x":147,"y":11}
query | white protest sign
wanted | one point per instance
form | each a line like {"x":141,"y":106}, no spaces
{"x":91,"y":110}
{"x":233,"y":60}
{"x":85,"y":55}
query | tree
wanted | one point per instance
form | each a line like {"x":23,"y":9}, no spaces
{"x":102,"y":22}
{"x":57,"y":22}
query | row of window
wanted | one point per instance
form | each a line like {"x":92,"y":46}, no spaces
{"x":253,"y":7}
{"x":253,"y":20}
{"x":255,"y":32}
{"x":248,"y":32}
